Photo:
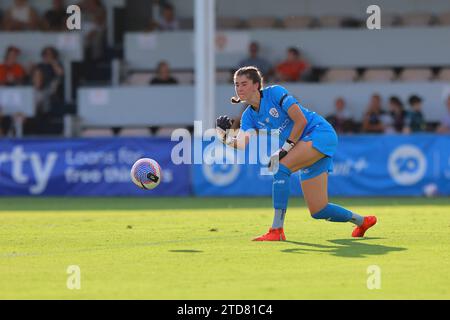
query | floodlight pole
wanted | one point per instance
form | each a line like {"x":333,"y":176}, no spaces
{"x":205,"y":64}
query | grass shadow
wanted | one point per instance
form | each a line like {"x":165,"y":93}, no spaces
{"x":348,"y":248}
{"x":186,"y":251}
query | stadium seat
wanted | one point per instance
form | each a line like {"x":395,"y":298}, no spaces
{"x":186,"y":23}
{"x":444,"y":75}
{"x":184,"y":77}
{"x":389,"y":20}
{"x":261,"y":22}
{"x":340,"y":75}
{"x":223,"y":76}
{"x":134,"y":132}
{"x":378,"y":75}
{"x":416,"y":19}
{"x":444,"y":19}
{"x":330,"y":21}
{"x":297,"y":22}
{"x":139,"y":78}
{"x":419,"y":74}
{"x":224,"y":23}
{"x":96,"y":133}
{"x":165,"y":132}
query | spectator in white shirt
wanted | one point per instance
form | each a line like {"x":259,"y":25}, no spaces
{"x":21,"y":16}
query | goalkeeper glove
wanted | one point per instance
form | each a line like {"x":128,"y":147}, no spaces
{"x":280,"y":154}
{"x":224,"y":123}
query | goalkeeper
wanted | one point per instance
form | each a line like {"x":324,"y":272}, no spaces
{"x":308,"y":144}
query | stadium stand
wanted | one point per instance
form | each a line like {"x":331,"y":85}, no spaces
{"x":297,"y":22}
{"x":378,"y":57}
{"x":423,"y":74}
{"x":340,"y":75}
{"x":379,"y":75}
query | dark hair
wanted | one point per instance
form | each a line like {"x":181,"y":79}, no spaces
{"x":253,"y":74}
{"x":395,"y":100}
{"x":414,"y":99}
{"x":9,"y":50}
{"x":160,"y":64}
{"x":168,"y":6}
{"x":295,"y":51}
{"x":53,"y":51}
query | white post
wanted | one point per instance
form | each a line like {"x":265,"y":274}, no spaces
{"x":205,"y":65}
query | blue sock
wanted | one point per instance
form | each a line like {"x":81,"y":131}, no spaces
{"x":280,"y":195}
{"x":335,"y":213}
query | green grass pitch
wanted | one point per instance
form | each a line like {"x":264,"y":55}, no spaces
{"x":175,"y":248}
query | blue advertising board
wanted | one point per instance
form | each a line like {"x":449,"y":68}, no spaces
{"x":367,"y":165}
{"x":86,"y":167}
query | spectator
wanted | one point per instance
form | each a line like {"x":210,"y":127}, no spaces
{"x":396,"y":117}
{"x":444,"y":126}
{"x":254,"y":60}
{"x":93,"y":28}
{"x":167,"y":20}
{"x":44,"y":95}
{"x":1,"y":19}
{"x":415,"y":121}
{"x":11,"y":72}
{"x":293,"y":68}
{"x":21,"y":16}
{"x":372,"y":121}
{"x":52,"y":69}
{"x":5,"y":123}
{"x":341,"y":120}
{"x":163,"y":75}
{"x":55,"y":18}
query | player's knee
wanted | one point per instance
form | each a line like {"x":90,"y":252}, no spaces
{"x":319,"y":212}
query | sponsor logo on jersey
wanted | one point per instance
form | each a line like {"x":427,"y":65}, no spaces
{"x":274,"y":113}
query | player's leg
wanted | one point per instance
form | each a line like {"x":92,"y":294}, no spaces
{"x":315,"y":166}
{"x":301,"y":155}
{"x":315,"y":190}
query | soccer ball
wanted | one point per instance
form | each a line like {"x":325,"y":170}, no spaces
{"x":146,"y":174}
{"x":430,"y":190}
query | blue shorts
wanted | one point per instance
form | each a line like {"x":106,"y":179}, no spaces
{"x":325,"y":140}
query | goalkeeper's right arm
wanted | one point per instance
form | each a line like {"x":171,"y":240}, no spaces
{"x":237,"y":139}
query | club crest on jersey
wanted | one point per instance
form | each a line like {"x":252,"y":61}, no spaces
{"x":274,"y":113}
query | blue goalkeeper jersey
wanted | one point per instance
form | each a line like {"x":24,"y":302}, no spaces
{"x":273,"y":114}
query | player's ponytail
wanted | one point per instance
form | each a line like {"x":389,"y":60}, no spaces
{"x":251,"y":73}
{"x":235,"y":100}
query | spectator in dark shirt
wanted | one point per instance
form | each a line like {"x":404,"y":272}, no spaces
{"x":341,"y":119}
{"x":51,"y":68}
{"x":255,"y":60}
{"x":93,"y":28}
{"x":1,"y":19}
{"x":163,"y":75}
{"x":55,"y":18}
{"x":415,"y":120}
{"x":396,"y":116}
{"x":168,"y":20}
{"x":5,"y":123}
{"x":46,"y":104}
{"x":372,"y":122}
